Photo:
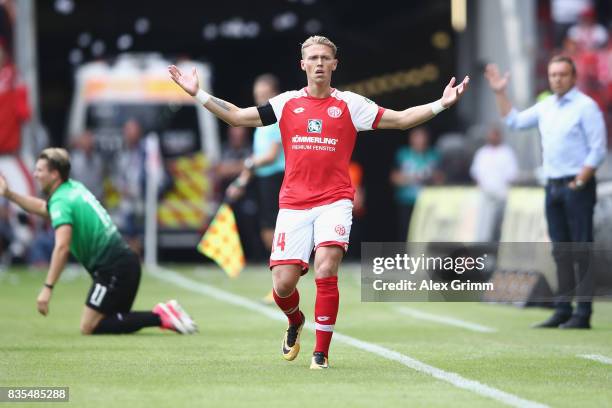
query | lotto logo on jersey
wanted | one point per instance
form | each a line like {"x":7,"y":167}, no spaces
{"x":334,"y":112}
{"x":315,"y":125}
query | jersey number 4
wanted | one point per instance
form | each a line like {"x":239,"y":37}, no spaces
{"x":280,"y":241}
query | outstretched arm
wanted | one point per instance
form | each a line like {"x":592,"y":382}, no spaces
{"x":514,"y":120}
{"x":30,"y":204}
{"x":419,"y":114}
{"x":498,"y":84}
{"x":227,"y":112}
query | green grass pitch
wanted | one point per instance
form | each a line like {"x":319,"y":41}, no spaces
{"x":235,"y":359}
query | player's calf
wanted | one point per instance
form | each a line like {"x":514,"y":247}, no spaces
{"x":90,"y":320}
{"x":326,"y":311}
{"x":290,"y":305}
{"x":87,"y":329}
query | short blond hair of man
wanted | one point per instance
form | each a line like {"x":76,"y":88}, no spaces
{"x":57,"y":159}
{"x":319,"y":39}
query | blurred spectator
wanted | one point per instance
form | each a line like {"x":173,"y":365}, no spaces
{"x":22,"y":234}
{"x":588,"y":34}
{"x":7,"y":18}
{"x":455,"y":159}
{"x":565,"y":13}
{"x":14,"y":108}
{"x":87,"y":164}
{"x":494,"y":168}
{"x":234,"y":153}
{"x":416,"y":166}
{"x":41,"y":249}
{"x":14,"y":111}
{"x":130,"y":182}
{"x":267,"y":163}
{"x":6,"y":233}
{"x":605,"y":74}
{"x":359,"y":210}
{"x":593,"y":70}
{"x":356,"y":175}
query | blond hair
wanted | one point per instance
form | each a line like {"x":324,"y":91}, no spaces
{"x":57,"y":159}
{"x":319,"y":39}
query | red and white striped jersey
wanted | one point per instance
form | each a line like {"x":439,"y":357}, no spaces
{"x":318,"y":137}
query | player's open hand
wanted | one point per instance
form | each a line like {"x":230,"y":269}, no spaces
{"x":4,"y":189}
{"x":497,"y":81}
{"x":188,"y":81}
{"x":453,"y":93}
{"x":42,"y":302}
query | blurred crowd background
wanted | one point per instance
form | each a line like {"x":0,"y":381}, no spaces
{"x":451,"y":180}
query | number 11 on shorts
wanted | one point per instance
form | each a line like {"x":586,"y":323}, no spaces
{"x":280,"y":240}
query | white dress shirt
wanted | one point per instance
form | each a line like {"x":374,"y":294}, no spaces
{"x":494,"y":168}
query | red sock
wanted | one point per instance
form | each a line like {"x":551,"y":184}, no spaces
{"x":290,"y":306}
{"x":326,"y":310}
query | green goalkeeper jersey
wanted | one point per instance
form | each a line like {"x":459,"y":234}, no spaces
{"x":96,"y":242}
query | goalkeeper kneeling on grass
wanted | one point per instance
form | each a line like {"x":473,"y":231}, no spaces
{"x":84,"y":228}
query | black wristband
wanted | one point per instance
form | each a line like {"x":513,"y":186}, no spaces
{"x":48,"y":286}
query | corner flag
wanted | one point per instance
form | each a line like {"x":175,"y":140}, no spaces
{"x":221,"y":242}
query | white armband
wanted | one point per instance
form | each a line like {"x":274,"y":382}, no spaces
{"x":202,"y":96}
{"x":436,"y":107}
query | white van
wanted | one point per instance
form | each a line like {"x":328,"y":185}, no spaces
{"x":108,"y":93}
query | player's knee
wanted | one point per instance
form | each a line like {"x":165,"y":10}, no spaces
{"x":284,"y":284}
{"x":326,"y":269}
{"x":283,"y":288}
{"x":325,"y":272}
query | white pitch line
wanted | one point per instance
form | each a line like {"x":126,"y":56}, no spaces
{"x":450,"y":377}
{"x":596,"y":357}
{"x":417,"y":314}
